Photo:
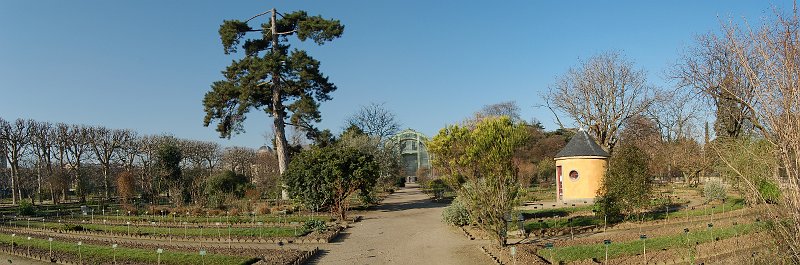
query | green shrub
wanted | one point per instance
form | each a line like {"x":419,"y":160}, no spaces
{"x":714,"y":190}
{"x":26,"y":208}
{"x":228,"y":183}
{"x":456,"y":214}
{"x":437,"y":187}
{"x":70,"y":227}
{"x":627,"y":186}
{"x":608,"y":206}
{"x":400,"y":182}
{"x":367,"y":197}
{"x":769,"y":191}
{"x":315,"y":225}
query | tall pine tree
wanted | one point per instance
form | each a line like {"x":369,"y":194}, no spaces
{"x":286,"y":84}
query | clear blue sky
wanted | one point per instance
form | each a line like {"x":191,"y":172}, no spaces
{"x":145,"y":65}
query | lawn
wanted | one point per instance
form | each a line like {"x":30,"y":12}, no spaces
{"x":270,"y":218}
{"x":617,"y":249}
{"x":105,"y":254}
{"x":212,"y":230}
{"x":730,"y":205}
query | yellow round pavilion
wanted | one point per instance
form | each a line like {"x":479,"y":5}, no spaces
{"x":580,"y":167}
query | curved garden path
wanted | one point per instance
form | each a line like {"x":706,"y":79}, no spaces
{"x":405,"y":229}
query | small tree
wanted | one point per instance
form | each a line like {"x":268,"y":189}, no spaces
{"x":325,"y":177}
{"x":714,"y":190}
{"x":627,"y":186}
{"x":482,"y":155}
{"x":125,"y":186}
{"x":169,"y":157}
{"x":224,"y":185}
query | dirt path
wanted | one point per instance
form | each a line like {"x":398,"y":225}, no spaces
{"x":10,"y":259}
{"x":406,"y":229}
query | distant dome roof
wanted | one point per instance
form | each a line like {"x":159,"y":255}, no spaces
{"x":264,"y":149}
{"x":582,"y":145}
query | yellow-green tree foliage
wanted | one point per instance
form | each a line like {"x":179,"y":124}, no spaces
{"x":480,"y":157}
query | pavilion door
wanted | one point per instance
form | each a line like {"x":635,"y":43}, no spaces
{"x":559,"y":184}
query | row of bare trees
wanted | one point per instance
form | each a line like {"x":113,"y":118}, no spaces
{"x":47,"y":160}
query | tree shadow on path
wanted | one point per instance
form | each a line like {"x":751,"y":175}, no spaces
{"x":408,"y":205}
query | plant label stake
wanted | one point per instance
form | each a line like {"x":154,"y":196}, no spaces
{"x":688,"y":247}
{"x":12,"y":242}
{"x":80,"y":257}
{"x":711,"y":229}
{"x":50,"y":241}
{"x":159,"y":251}
{"x":723,"y":206}
{"x":644,"y":247}
{"x":29,"y":246}
{"x":260,"y":226}
{"x":606,"y":243}
{"x":571,"y":234}
{"x":114,"y":252}
{"x":550,"y":247}
{"x":514,"y":253}
{"x":203,"y":256}
{"x":736,"y":235}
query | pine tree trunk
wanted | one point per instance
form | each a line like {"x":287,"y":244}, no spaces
{"x":277,"y":111}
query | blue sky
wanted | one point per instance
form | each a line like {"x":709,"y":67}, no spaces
{"x":145,"y":65}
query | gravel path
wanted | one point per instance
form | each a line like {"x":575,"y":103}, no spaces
{"x":405,"y":229}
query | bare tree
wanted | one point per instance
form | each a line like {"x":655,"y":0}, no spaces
{"x":506,"y":108}
{"x":63,"y":135}
{"x":602,"y":94}
{"x":106,"y":144}
{"x":78,"y":148}
{"x":147,"y":157}
{"x":201,"y":158}
{"x":16,"y":138}
{"x":675,"y":115}
{"x":239,"y":160}
{"x":265,"y":170}
{"x":375,"y":120}
{"x":713,"y":69}
{"x":768,"y":59}
{"x":129,"y":149}
{"x":42,"y":141}
{"x":209,"y":153}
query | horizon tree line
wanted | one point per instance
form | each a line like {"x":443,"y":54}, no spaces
{"x":62,"y":162}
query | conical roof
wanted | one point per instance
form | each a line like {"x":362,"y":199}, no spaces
{"x":582,"y":145}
